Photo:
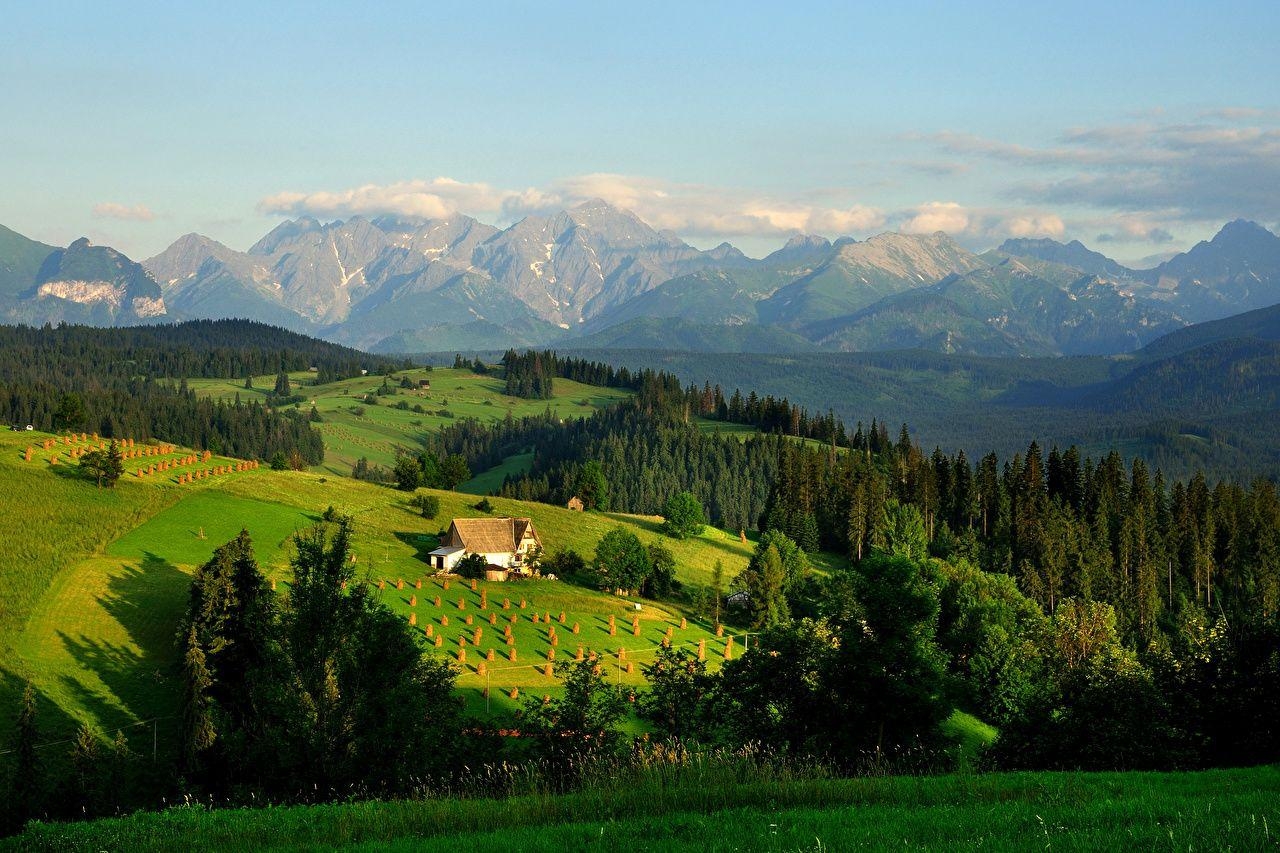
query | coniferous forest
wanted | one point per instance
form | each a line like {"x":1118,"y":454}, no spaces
{"x":1099,"y":614}
{"x":131,"y":382}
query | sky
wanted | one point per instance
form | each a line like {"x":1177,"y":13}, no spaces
{"x":1137,"y":128}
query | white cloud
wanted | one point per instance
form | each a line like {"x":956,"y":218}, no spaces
{"x":694,"y":210}
{"x":112,"y":210}
{"x":979,"y":225}
{"x":432,"y":199}
{"x":934,"y":216}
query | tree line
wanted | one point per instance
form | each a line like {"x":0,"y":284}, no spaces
{"x":131,"y":382}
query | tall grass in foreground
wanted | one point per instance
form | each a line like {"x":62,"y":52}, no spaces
{"x":735,"y":802}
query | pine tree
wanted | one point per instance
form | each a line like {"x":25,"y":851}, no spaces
{"x":27,"y":784}
{"x":198,"y":733}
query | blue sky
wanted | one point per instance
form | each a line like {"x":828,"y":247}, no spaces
{"x":1137,"y":128}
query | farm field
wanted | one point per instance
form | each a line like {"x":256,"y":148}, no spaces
{"x":353,"y":428}
{"x":90,"y":612}
{"x":700,"y":808}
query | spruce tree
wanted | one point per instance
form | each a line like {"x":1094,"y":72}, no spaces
{"x":27,"y":784}
{"x":198,"y":732}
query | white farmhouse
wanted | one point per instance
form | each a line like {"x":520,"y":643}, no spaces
{"x":506,"y":543}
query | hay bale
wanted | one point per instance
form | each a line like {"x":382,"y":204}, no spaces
{"x":431,"y":630}
{"x":575,"y":627}
{"x":515,"y":693}
{"x":561,"y":617}
{"x":631,"y":670}
{"x":413,"y":601}
{"x":400,"y":583}
{"x":635,"y":631}
{"x":417,"y":584}
{"x":547,"y":670}
{"x":535,"y":618}
{"x":511,"y":655}
{"x":481,"y":668}
{"x":523,"y":603}
{"x":493,"y":618}
{"x":684,"y":623}
{"x":702,"y":649}
{"x":436,"y":601}
{"x":551,"y":654}
{"x":439,"y":640}
{"x":506,"y":604}
{"x":491,"y":655}
{"x":469,"y":619}
{"x":444,"y":621}
{"x":413,"y":618}
{"x":579,"y":655}
{"x":719,"y":630}
{"x":462,"y":655}
{"x":473,"y":584}
{"x":462,"y":604}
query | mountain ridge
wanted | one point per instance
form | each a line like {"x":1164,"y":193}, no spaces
{"x":573,"y":274}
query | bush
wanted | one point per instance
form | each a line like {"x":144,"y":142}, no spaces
{"x":428,"y":505}
{"x":472,"y":566}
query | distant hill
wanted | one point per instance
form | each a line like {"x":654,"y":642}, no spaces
{"x":1262,"y":324}
{"x":20,"y":260}
{"x":646,"y":333}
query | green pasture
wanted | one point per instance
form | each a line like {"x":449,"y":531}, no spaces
{"x":90,"y":627}
{"x":489,"y":482}
{"x":353,"y":428}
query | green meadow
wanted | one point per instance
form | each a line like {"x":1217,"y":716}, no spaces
{"x":353,"y":428}
{"x":95,"y":581}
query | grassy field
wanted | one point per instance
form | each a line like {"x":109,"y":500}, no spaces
{"x":73,"y":620}
{"x":708,"y":809}
{"x":353,"y":428}
{"x":95,"y":580}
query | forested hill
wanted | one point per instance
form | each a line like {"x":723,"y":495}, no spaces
{"x":130,"y":382}
{"x":197,"y":348}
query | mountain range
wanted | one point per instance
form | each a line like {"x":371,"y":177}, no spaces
{"x":598,"y":276}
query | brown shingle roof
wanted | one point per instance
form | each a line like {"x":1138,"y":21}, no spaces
{"x":489,"y":535}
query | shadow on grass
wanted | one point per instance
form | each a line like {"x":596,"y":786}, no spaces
{"x":142,"y":678}
{"x":422,"y":543}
